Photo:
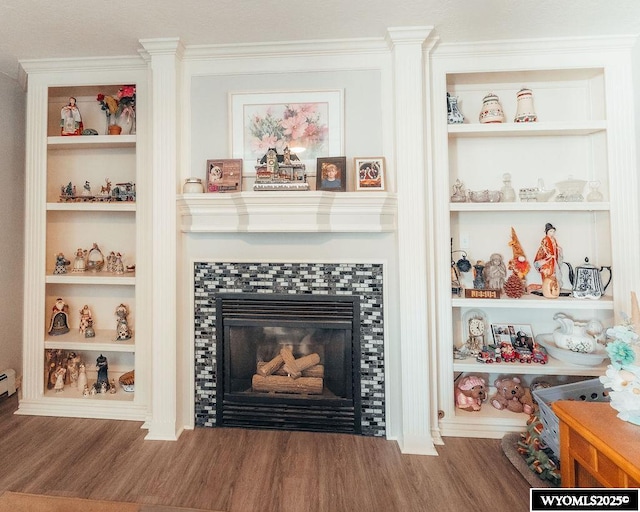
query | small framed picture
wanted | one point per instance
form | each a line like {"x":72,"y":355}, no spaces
{"x":224,"y":175}
{"x":331,"y":174}
{"x":369,"y":173}
{"x":520,"y":336}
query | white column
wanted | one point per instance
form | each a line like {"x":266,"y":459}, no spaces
{"x":165,"y":58}
{"x":409,"y":92}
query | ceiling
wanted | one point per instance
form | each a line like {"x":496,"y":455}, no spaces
{"x":33,"y":29}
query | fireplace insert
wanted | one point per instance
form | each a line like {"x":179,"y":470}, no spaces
{"x":288,"y":362}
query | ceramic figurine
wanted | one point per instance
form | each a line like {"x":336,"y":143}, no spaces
{"x":459,"y":195}
{"x":82,"y":376}
{"x":59,"y":318}
{"x":85,"y":317}
{"x":95,"y":259}
{"x":60,"y":374}
{"x":85,"y":391}
{"x":73,"y":363}
{"x":102,"y":366}
{"x":89,"y":332}
{"x":61,"y":264}
{"x":122,"y":329}
{"x":111,"y":261}
{"x":118,"y":266}
{"x":454,"y":116}
{"x":524,"y":111}
{"x":112,"y":386}
{"x":491,"y":110}
{"x":104,"y":387}
{"x":86,"y":189}
{"x":79,"y":263}
{"x":495,"y":272}
{"x":70,"y":119}
{"x":548,"y":262}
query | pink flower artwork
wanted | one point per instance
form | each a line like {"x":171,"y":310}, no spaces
{"x":299,"y":125}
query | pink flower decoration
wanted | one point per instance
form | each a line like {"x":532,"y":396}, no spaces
{"x":294,"y":126}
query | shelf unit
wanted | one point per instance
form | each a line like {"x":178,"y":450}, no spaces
{"x":56,"y":226}
{"x":582,"y":133}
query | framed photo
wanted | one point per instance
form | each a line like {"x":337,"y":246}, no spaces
{"x":309,"y":123}
{"x":369,"y":173}
{"x":331,"y":174}
{"x":520,"y":336}
{"x":224,"y":175}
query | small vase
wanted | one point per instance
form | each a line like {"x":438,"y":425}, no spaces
{"x":491,"y":110}
{"x":454,"y":116}
{"x":114,"y":129}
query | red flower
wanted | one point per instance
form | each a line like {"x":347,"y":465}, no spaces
{"x":100,"y":97}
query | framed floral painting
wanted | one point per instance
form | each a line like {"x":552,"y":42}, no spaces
{"x":369,"y":173}
{"x":308,"y":123}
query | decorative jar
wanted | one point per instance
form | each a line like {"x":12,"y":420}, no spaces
{"x":524,"y":111}
{"x":491,"y":109}
{"x":193,"y":186}
{"x":454,"y":116}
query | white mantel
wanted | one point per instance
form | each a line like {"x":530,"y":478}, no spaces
{"x":279,"y":212}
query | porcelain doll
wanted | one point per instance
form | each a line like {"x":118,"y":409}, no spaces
{"x":548,"y":262}
{"x":61,"y":264}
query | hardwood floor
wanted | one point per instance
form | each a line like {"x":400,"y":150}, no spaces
{"x":238,"y":470}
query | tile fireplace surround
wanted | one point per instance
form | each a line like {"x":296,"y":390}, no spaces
{"x":363,"y":280}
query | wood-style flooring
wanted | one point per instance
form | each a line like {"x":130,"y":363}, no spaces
{"x":239,"y":470}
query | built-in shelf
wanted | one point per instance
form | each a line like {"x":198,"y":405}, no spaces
{"x":98,"y":206}
{"x":525,"y":129}
{"x":91,"y":141}
{"x":552,"y":367}
{"x":535,"y":302}
{"x":104,"y":341}
{"x":269,"y":212}
{"x":525,"y":206}
{"x":92,"y":278}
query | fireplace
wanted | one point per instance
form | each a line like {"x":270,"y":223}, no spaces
{"x":362,"y":280}
{"x":288,"y":362}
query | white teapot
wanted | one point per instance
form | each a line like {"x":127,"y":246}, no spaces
{"x":575,"y":335}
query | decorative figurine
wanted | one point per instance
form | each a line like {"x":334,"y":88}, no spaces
{"x":478,"y":280}
{"x":61,"y":264}
{"x":272,"y":173}
{"x":73,"y":371}
{"x":79,"y":263}
{"x":118,"y":266}
{"x":59,"y":318}
{"x":454,"y":116}
{"x":102,"y":365}
{"x":70,"y":119}
{"x":82,"y":376}
{"x":518,"y":264}
{"x":95,"y":259}
{"x":60,"y":374}
{"x":491,"y":110}
{"x":112,"y":386}
{"x":86,"y":189}
{"x":89,"y":332}
{"x":85,"y":316}
{"x":524,"y":111}
{"x":495,"y":272}
{"x":471,"y":391}
{"x":85,"y":391}
{"x":594,"y":195}
{"x":548,"y":262}
{"x":122,"y":329}
{"x":111,"y":262}
{"x":459,"y":195}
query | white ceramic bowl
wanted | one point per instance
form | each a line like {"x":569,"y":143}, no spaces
{"x":595,"y":358}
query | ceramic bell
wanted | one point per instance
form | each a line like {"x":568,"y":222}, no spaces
{"x":491,"y":110}
{"x":524,"y":111}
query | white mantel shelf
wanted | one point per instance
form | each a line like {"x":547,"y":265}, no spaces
{"x":302,"y":212}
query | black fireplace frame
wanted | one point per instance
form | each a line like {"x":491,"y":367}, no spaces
{"x":284,"y":412}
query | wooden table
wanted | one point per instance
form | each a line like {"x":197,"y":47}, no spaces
{"x":597,"y":449}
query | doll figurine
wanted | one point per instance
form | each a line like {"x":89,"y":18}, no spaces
{"x":102,"y":366}
{"x":59,"y":318}
{"x":85,"y":317}
{"x":122,"y":328}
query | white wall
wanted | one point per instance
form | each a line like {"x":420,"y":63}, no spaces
{"x":12,"y":127}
